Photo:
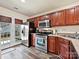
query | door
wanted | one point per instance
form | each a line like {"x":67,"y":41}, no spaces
{"x":55,"y":20}
{"x":25,"y":34}
{"x":64,"y":48}
{"x":61,"y":17}
{"x":64,"y":51}
{"x":58,"y":18}
{"x":70,"y":16}
{"x":51,"y":44}
{"x":33,"y":39}
{"x":76,"y":15}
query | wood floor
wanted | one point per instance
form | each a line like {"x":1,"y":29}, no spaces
{"x":22,"y":52}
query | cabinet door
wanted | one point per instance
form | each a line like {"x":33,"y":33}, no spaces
{"x":64,"y":48}
{"x":64,"y":51}
{"x":61,"y":17}
{"x":33,"y":39}
{"x":5,"y":19}
{"x":76,"y":15}
{"x":51,"y":44}
{"x":58,"y":18}
{"x":55,"y":20}
{"x":18,"y":21}
{"x":36,"y":22}
{"x":70,"y":16}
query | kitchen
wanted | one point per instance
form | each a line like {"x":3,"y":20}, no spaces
{"x":54,"y":32}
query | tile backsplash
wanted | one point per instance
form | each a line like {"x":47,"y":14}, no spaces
{"x":66,"y":29}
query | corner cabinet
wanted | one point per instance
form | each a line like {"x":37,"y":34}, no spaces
{"x":64,"y":48}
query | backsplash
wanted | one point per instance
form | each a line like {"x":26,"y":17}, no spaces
{"x":66,"y":29}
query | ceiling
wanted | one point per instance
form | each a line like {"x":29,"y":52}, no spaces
{"x":34,"y":7}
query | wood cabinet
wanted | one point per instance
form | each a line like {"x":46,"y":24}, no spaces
{"x":61,"y":17}
{"x":36,"y":22}
{"x":5,"y":19}
{"x":64,"y":48}
{"x":33,"y":39}
{"x":58,"y":18}
{"x":76,"y":15}
{"x":53,"y":45}
{"x":55,"y":21}
{"x":70,"y":16}
{"x":18,"y":21}
{"x":64,"y":17}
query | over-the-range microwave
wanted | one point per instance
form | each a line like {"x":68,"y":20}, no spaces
{"x":44,"y":24}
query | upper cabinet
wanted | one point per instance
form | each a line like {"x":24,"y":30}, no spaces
{"x":76,"y":15}
{"x":61,"y":18}
{"x":18,"y":21}
{"x":70,"y":16}
{"x":58,"y":18}
{"x":54,"y":20}
{"x":5,"y":19}
{"x":36,"y":21}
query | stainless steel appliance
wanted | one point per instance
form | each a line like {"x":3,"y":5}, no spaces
{"x":26,"y":31}
{"x":41,"y":43}
{"x":44,"y":24}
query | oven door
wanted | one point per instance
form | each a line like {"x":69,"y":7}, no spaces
{"x":40,"y":41}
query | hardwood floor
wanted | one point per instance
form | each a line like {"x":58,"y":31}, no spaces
{"x":22,"y":52}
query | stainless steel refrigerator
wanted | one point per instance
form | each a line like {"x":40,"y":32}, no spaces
{"x":26,"y":30}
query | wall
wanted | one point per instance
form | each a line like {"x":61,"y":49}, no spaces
{"x":67,"y":29}
{"x":10,"y":13}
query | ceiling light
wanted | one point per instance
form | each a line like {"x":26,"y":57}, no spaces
{"x":23,"y":1}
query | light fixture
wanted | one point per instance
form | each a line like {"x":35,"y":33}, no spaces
{"x":23,"y":1}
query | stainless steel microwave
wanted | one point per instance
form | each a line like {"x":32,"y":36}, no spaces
{"x":44,"y":24}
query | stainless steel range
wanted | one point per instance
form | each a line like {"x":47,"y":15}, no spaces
{"x":41,"y":43}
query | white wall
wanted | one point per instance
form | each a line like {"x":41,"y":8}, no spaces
{"x":10,"y":13}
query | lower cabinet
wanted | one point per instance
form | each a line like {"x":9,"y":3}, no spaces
{"x":33,"y":39}
{"x":62,"y":47}
{"x":52,"y":45}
